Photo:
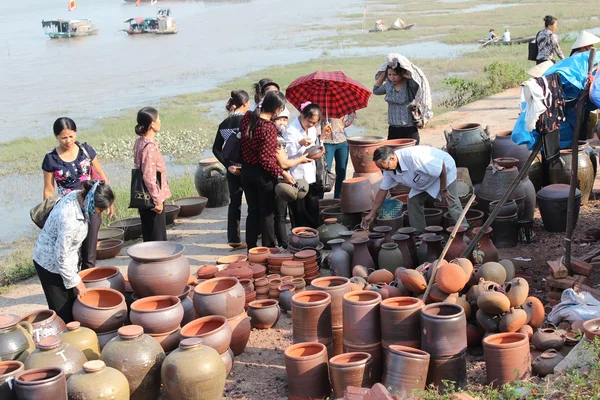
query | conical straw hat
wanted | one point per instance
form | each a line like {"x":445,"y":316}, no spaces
{"x":539,"y":69}
{"x":585,"y":39}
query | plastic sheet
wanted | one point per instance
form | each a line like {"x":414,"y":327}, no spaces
{"x":575,"y":306}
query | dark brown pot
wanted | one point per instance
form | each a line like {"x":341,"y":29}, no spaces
{"x":412,"y":247}
{"x":219,"y":296}
{"x":108,"y":248}
{"x":338,"y":341}
{"x":458,"y":245}
{"x":434,"y":247}
{"x":376,"y":240}
{"x":339,"y":260}
{"x":401,"y":322}
{"x":361,"y":255}
{"x":303,"y":237}
{"x":503,"y":146}
{"x":157,"y":314}
{"x":376,"y":352}
{"x":357,"y":195}
{"x":553,"y":202}
{"x":361,"y":152}
{"x":350,"y":369}
{"x":214,"y":331}
{"x":139,"y":357}
{"x":240,"y":326}
{"x":41,"y":383}
{"x":101,"y":310}
{"x":443,"y":329}
{"x":264,"y":314}
{"x":337,"y":287}
{"x":44,"y":323}
{"x":306,"y":369}
{"x":52,"y":352}
{"x":158,"y":268}
{"x":447,"y":373}
{"x":8,"y":371}
{"x":362,"y":317}
{"x":103,"y":277}
{"x":470,"y":147}
{"x":405,"y":370}
{"x":507,"y":357}
{"x":311,"y":317}
{"x":485,"y":248}
{"x":560,"y":172}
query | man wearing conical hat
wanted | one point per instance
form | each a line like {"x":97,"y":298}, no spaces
{"x":584,"y":43}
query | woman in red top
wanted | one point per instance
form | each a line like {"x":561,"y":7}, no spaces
{"x":260,"y":169}
{"x":148,"y":158}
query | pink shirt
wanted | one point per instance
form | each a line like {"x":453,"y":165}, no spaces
{"x":148,"y":158}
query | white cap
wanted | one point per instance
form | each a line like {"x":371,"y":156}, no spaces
{"x":539,"y":69}
{"x":585,"y":39}
{"x":285,"y":113}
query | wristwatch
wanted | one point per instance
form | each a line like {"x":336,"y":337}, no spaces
{"x":444,"y":190}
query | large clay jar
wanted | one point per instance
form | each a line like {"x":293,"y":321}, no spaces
{"x":412,"y":247}
{"x":52,"y":352}
{"x":390,"y":257}
{"x":544,"y":363}
{"x":350,"y":369}
{"x":361,"y":255}
{"x":82,"y":338}
{"x":361,"y":152}
{"x":240,"y":332}
{"x":194,"y":372}
{"x":264,"y":314}
{"x":458,"y":245}
{"x":189,"y":314}
{"x":422,"y":248}
{"x":362,"y":317}
{"x":485,"y":250}
{"x":102,"y":310}
{"x":496,"y":182}
{"x":336,"y":287}
{"x":306,"y":370}
{"x":535,"y":312}
{"x":219,"y":296}
{"x":139,"y":357}
{"x":211,"y":182}
{"x":301,"y":237}
{"x":339,"y":260}
{"x":97,"y":381}
{"x":434,"y":247}
{"x":357,"y":195}
{"x":560,"y":172}
{"x":553,"y":205}
{"x":15,"y":338}
{"x":405,"y":370}
{"x":507,"y":358}
{"x":214,"y":331}
{"x":311,"y":317}
{"x":546,"y":339}
{"x":401,"y":322}
{"x":470,"y":147}
{"x":157,"y":314}
{"x":103,"y":277}
{"x":41,"y":383}
{"x":330,"y":230}
{"x":447,"y":373}
{"x":443,"y":329}
{"x":158,"y":268}
{"x":450,"y":278}
{"x":8,"y":371}
{"x":402,"y":241}
{"x":376,"y":240}
{"x":44,"y":323}
{"x":503,"y":146}
{"x":347,"y":246}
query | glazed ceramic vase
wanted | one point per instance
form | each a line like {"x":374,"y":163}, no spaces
{"x":83,"y":338}
{"x":52,"y":352}
{"x":339,"y":260}
{"x":330,"y":230}
{"x":470,"y":147}
{"x":97,"y":381}
{"x":390,"y":257}
{"x":16,"y":342}
{"x":361,"y":255}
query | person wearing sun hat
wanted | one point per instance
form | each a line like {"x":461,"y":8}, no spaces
{"x":538,"y":70}
{"x":584,"y":43}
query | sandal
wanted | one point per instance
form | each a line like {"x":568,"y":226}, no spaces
{"x":237,"y":246}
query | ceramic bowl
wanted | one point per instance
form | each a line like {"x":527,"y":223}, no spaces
{"x":191,"y":206}
{"x":108,"y":248}
{"x":132,"y":227}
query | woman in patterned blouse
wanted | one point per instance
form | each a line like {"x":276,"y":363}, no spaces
{"x":547,"y":41}
{"x":260,"y":169}
{"x":148,"y":158}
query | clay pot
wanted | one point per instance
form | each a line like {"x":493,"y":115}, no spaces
{"x":103,"y":277}
{"x":450,"y":278}
{"x":508,"y":209}
{"x":263,"y":314}
{"x":306,"y":370}
{"x":300,"y":284}
{"x":330,"y":230}
{"x":412,"y":247}
{"x":210,"y":181}
{"x":303,"y":237}
{"x":513,"y":320}
{"x":517,"y":291}
{"x":52,"y":352}
{"x":490,"y":323}
{"x":591,"y":328}
{"x":311,"y":317}
{"x":16,"y":342}
{"x":157,"y":314}
{"x":414,"y":281}
{"x":544,"y":363}
{"x":207,"y":271}
{"x":193,"y":371}
{"x":443,"y":329}
{"x":467,"y":267}
{"x":347,"y":246}
{"x":503,"y":146}
{"x":361,"y":255}
{"x":292,"y":268}
{"x":401,"y":322}
{"x":286,"y":292}
{"x":82,"y":338}
{"x":168,"y":341}
{"x":381,"y":276}
{"x":376,"y":352}
{"x":362,"y":317}
{"x":227,"y":358}
{"x":97,"y":381}
{"x":339,"y":260}
{"x":493,"y":302}
{"x":8,"y":371}
{"x":492,"y":271}
{"x":405,"y":370}
{"x":102,"y":310}
{"x":41,"y":383}
{"x":104,"y":338}
{"x":560,"y":172}
{"x":376,"y":240}
{"x":258,"y":255}
{"x":547,"y":338}
{"x":458,"y":245}
{"x":448,"y":373}
{"x":474,"y":335}
{"x":422,"y":248}
{"x":552,"y":201}
{"x":350,"y":369}
{"x":219,"y":296}
{"x":214,"y":331}
{"x":357,"y":195}
{"x":526,"y":329}
{"x":240,"y":327}
{"x":189,"y":314}
{"x":486,"y":250}
{"x":324,"y":204}
{"x":402,"y":241}
{"x":507,"y":358}
{"x":470,"y":147}
{"x":509,"y":267}
{"x":336,"y":287}
{"x":361,"y":152}
{"x":44,"y":323}
{"x":390,"y":257}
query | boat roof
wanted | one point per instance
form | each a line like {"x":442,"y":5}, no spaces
{"x":139,"y":20}
{"x":62,"y":21}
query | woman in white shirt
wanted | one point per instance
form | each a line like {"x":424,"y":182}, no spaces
{"x":299,"y":136}
{"x":56,"y":252}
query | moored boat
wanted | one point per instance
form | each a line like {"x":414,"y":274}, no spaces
{"x":63,"y":29}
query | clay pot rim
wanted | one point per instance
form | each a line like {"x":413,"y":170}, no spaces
{"x":520,"y":340}
{"x":81,"y":299}
{"x":359,"y":240}
{"x":290,"y":286}
{"x":85,"y":272}
{"x":549,"y":354}
{"x":9,"y":320}
{"x":409,"y":352}
{"x":209,"y":318}
{"x":175,"y":302}
{"x":335,"y":241}
{"x":338,"y":361}
{"x":432,"y":237}
{"x":411,"y":302}
{"x":460,"y":229}
{"x":299,"y":229}
{"x":375,"y":297}
{"x":234,"y":257}
{"x":487,"y":231}
{"x":158,"y":336}
{"x":376,"y":235}
{"x":259,"y":250}
{"x":137,"y":251}
{"x":31,"y":316}
{"x":469,"y":126}
{"x":13,"y":367}
{"x":55,"y":374}
{"x":263,"y":304}
{"x":588,"y":325}
{"x":426,"y":308}
{"x":390,"y":246}
{"x":331,"y":279}
{"x":400,"y":236}
{"x":325,"y":297}
{"x":322,"y":351}
{"x":382,"y":229}
{"x":198,"y":288}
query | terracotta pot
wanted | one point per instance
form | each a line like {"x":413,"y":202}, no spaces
{"x":158,"y":268}
{"x":336,"y":287}
{"x":507,"y":358}
{"x":240,"y":326}
{"x":258,"y":255}
{"x":548,"y":338}
{"x":390,"y":257}
{"x":381,"y":276}
{"x":189,"y":314}
{"x":493,"y":302}
{"x":330,"y":230}
{"x":467,"y":267}
{"x":263,"y":314}
{"x":300,"y":284}
{"x":422,"y":248}
{"x":450,"y":278}
{"x":490,"y":323}
{"x":486,"y":251}
{"x":306,"y":370}
{"x":82,"y":338}
{"x":44,"y":323}
{"x":443,"y":329}
{"x":413,"y":280}
{"x":528,"y":330}
{"x":405,"y":370}
{"x":292,"y":268}
{"x":214,"y":331}
{"x":560,"y":172}
{"x":207,"y":271}
{"x":339,"y":260}
{"x":591,"y":328}
{"x":193,"y":371}
{"x":324,"y":204}
{"x":102,"y":310}
{"x":458,"y":245}
{"x":448,"y":373}
{"x":361,"y":152}
{"x":350,"y":369}
{"x":157,"y":314}
{"x":401,"y":322}
{"x":211,"y":181}
{"x":96,"y":381}
{"x":311,"y":317}
{"x":357,"y":195}
{"x":376,"y":352}
{"x":8,"y":371}
{"x":168,"y":341}
{"x":513,"y":320}
{"x":16,"y":342}
{"x":219,"y":296}
{"x":52,"y":352}
{"x":361,"y":255}
{"x":41,"y":383}
{"x":103,"y":277}
{"x":139,"y":357}
{"x":361,"y":317}
{"x":552,"y":201}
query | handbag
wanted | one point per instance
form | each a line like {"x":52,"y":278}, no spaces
{"x":94,"y":175}
{"x":232,"y":150}
{"x":40,"y":213}
{"x":140,"y":197}
{"x":533,"y":49}
{"x":325,"y":180}
{"x":416,"y":110}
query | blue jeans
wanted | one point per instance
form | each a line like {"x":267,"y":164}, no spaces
{"x":340,"y":151}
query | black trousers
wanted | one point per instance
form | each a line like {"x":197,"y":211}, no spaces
{"x":305,"y":212}
{"x":280,"y":228}
{"x":88,"y":247}
{"x":259,"y":188}
{"x":403,"y":132}
{"x":234,"y":213}
{"x":59,"y":298}
{"x":154,"y":226}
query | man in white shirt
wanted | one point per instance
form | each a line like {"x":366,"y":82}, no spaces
{"x":506,"y":37}
{"x":429,"y":172}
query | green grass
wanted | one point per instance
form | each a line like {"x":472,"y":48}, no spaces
{"x":16,"y":265}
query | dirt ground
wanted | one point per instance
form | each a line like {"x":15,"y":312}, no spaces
{"x":259,"y":372}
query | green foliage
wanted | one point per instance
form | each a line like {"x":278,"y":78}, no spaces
{"x":16,"y":266}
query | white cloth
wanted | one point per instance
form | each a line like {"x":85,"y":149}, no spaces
{"x":533,"y":96}
{"x":491,"y":35}
{"x":57,"y":247}
{"x":506,"y":36}
{"x":293,"y":134}
{"x":421,"y":168}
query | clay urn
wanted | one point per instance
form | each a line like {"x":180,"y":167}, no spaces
{"x":44,"y":323}
{"x":8,"y":371}
{"x":157,"y":314}
{"x":535,"y":312}
{"x":83,"y":338}
{"x":16,"y":342}
{"x":102,"y":310}
{"x":219,"y":296}
{"x":40,"y":383}
{"x":214,"y":331}
{"x":544,"y":363}
{"x":517,"y":291}
{"x":513,"y":320}
{"x":350,"y":369}
{"x":103,"y":277}
{"x":52,"y":352}
{"x":306,"y":370}
{"x":97,"y":381}
{"x":405,"y":370}
{"x":450,"y":278}
{"x":546,"y":339}
{"x":263,"y":314}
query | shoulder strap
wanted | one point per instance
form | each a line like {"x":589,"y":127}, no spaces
{"x":85,"y":152}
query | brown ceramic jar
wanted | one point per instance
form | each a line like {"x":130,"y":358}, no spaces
{"x":306,"y":369}
{"x":219,"y":296}
{"x":360,"y":254}
{"x":240,"y":327}
{"x":337,"y":287}
{"x":44,"y":323}
{"x":507,"y":357}
{"x":41,"y":383}
{"x":102,"y":310}
{"x":97,"y":381}
{"x":311,"y":317}
{"x":443,"y":329}
{"x":405,"y":370}
{"x":157,"y":314}
{"x":263,"y":314}
{"x":103,"y":277}
{"x":214,"y":331}
{"x":401,"y":322}
{"x":83,"y":338}
{"x":8,"y":371}
{"x":361,"y":317}
{"x":52,"y":352}
{"x":350,"y":369}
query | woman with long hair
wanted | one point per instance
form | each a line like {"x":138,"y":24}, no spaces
{"x":261,"y":88}
{"x":237,"y":105}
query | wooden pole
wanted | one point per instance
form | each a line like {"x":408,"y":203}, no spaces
{"x":448,"y":243}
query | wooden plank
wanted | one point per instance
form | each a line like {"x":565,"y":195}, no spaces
{"x":558,"y":269}
{"x":591,"y":255}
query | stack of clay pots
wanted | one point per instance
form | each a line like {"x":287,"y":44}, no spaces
{"x":275,"y":261}
{"x":310,"y":266}
{"x":250,"y":293}
{"x":261,"y":287}
{"x":274,"y":282}
{"x":311,"y":318}
{"x":259,"y":255}
{"x":301,"y":238}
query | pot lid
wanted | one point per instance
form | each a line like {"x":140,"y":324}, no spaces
{"x":8,"y":320}
{"x":305,"y":254}
{"x":558,"y":191}
{"x":73,"y":325}
{"x":94,"y":366}
{"x":130,"y":331}
{"x":50,"y":342}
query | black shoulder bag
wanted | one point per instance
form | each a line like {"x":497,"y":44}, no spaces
{"x":140,"y":196}
{"x":533,"y":49}
{"x":325,"y":179}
